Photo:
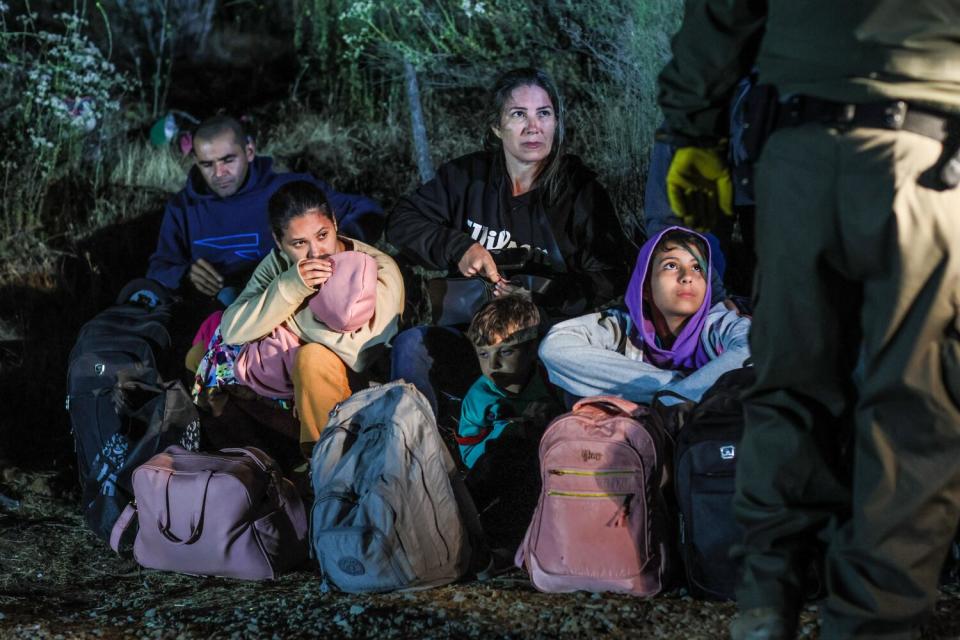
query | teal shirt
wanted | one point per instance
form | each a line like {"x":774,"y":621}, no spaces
{"x":489,"y":412}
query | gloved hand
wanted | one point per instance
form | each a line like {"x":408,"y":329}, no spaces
{"x":699,"y":186}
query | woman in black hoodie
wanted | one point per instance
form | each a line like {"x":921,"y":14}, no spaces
{"x":522,"y":192}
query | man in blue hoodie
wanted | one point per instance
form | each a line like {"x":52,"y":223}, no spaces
{"x":215,"y":229}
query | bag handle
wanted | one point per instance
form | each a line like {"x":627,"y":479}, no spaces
{"x":610,"y":404}
{"x":266,"y":464}
{"x":121,"y":525}
{"x":198,"y":511}
{"x":259,"y":457}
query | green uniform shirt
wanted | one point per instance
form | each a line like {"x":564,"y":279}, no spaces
{"x":844,"y":50}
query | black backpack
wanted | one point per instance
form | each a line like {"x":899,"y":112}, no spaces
{"x":152,"y":416}
{"x":705,"y":465}
{"x":126,"y":336}
{"x":121,"y":411}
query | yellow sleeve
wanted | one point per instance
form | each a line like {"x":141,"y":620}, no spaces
{"x":273,"y":294}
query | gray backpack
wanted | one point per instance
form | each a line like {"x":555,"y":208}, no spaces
{"x":390,"y":512}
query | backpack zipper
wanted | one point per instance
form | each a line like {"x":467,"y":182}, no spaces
{"x":582,"y":472}
{"x":587,"y":494}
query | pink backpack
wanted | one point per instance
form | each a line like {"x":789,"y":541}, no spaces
{"x":601,"y":522}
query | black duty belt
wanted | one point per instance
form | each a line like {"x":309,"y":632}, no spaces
{"x":896,"y":115}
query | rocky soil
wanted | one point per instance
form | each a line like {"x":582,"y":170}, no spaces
{"x":58,"y":581}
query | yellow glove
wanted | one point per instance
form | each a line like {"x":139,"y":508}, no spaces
{"x":699,"y":187}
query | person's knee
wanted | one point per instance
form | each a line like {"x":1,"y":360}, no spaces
{"x":311,"y":353}
{"x":315,"y":359}
{"x":409,"y":343}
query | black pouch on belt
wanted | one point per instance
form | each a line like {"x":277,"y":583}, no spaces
{"x":760,"y":112}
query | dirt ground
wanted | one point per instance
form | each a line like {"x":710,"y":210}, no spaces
{"x":58,"y":581}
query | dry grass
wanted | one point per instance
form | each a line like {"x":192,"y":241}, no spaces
{"x":306,"y":137}
{"x":140,"y":164}
{"x":372,"y":158}
{"x":28,"y":261}
{"x":120,"y":204}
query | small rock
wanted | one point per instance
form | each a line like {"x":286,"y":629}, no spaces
{"x":343,"y":623}
{"x":150,"y":613}
{"x":356,"y":610}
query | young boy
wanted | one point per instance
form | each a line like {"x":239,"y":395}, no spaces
{"x":503,"y":416}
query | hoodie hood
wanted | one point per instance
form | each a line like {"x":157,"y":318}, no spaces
{"x":259,"y":172}
{"x":687,"y":352}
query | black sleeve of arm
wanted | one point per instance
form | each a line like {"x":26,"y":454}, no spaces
{"x":422,"y":224}
{"x":606,"y":255}
{"x":715,"y":47}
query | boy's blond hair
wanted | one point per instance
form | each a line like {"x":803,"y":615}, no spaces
{"x":502,"y":317}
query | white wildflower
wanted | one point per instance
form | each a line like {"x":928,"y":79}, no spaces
{"x":472,"y":9}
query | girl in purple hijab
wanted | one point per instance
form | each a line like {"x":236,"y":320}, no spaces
{"x":668,"y":298}
{"x":668,"y":334}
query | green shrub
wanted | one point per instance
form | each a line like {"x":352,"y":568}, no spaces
{"x":605,"y":56}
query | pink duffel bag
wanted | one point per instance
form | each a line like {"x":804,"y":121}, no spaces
{"x":229,"y":514}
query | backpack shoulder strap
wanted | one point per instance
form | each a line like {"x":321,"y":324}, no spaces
{"x":610,"y":404}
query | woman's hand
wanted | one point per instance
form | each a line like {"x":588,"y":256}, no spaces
{"x":316,"y":271}
{"x":478,"y":261}
{"x":505,"y":288}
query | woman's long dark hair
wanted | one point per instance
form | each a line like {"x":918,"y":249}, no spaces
{"x":294,"y":199}
{"x":548,"y":178}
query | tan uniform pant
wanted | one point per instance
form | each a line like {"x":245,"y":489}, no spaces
{"x":319,"y":382}
{"x":851,"y":451}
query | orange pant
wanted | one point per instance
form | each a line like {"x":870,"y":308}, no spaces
{"x":194,"y":356}
{"x":319,"y":383}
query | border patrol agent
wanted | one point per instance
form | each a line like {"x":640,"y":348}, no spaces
{"x":851,"y":451}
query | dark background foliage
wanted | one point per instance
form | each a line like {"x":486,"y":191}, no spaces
{"x":322,"y":85}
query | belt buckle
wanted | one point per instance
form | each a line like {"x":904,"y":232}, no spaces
{"x":846,"y":113}
{"x":842,"y":117}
